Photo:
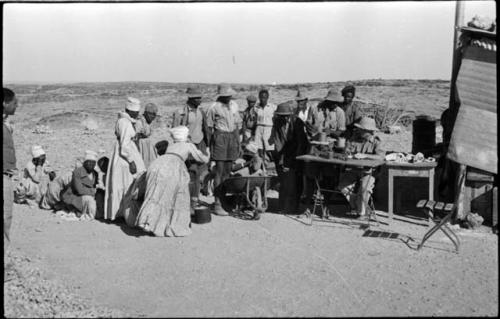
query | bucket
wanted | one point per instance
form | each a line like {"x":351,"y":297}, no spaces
{"x":201,"y":215}
{"x":424,"y":135}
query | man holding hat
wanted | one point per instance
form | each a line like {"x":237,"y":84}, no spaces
{"x":81,"y":195}
{"x":224,"y":124}
{"x":143,"y":133}
{"x":328,"y":117}
{"x":126,"y":161}
{"x":192,"y":117}
{"x":28,"y":189}
{"x":249,"y":119}
{"x":362,"y":144}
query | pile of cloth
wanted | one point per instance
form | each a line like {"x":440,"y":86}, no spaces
{"x":408,"y":158}
{"x":72,"y":216}
{"x":484,"y":23}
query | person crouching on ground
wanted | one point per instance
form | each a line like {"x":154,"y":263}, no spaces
{"x":166,"y":210}
{"x":224,"y":123}
{"x":81,"y":195}
{"x":251,"y":163}
{"x":52,"y":199}
{"x":143,"y":134}
{"x":357,"y":185}
{"x":28,"y":191}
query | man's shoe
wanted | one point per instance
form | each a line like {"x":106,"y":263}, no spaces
{"x":218,"y":210}
{"x":363,"y":217}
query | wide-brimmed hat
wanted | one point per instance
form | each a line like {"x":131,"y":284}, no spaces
{"x":367,"y":123}
{"x":251,"y":98}
{"x":284,"y":109}
{"x":300,"y":96}
{"x":333,"y":96}
{"x":133,"y":104}
{"x":193,"y":92}
{"x":37,"y":151}
{"x":225,"y":90}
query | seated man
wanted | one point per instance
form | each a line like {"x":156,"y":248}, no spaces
{"x":80,"y":196}
{"x":51,"y":200}
{"x":356,"y":184}
{"x":251,"y":164}
{"x":28,"y":190}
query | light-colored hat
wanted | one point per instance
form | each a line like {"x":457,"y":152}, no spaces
{"x":300,"y":96}
{"x":193,"y":92}
{"x":180,"y":133}
{"x":37,"y":151}
{"x":251,"y":98}
{"x":252,"y":147}
{"x":151,"y":108}
{"x":225,"y":90}
{"x":133,"y":104}
{"x":367,"y":123}
{"x":90,"y":156}
{"x":333,"y":96}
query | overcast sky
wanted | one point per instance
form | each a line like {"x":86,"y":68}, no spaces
{"x":230,"y":42}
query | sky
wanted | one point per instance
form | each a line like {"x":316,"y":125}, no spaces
{"x":230,"y":42}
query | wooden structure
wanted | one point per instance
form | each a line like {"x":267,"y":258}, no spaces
{"x":470,"y":131}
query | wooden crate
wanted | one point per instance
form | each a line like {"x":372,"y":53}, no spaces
{"x":479,"y":195}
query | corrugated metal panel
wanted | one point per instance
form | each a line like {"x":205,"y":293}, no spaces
{"x":474,"y":138}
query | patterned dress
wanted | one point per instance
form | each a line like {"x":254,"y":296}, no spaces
{"x":166,"y":210}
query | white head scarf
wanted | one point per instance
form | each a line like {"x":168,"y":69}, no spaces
{"x":133,"y":104}
{"x":180,"y":133}
{"x":37,"y":151}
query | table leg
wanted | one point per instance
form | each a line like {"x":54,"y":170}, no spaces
{"x":431,"y":188}
{"x":391,"y":194}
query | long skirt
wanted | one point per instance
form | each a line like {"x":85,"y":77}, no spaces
{"x":166,"y":207}
{"x":147,"y":150}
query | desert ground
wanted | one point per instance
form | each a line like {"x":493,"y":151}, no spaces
{"x":277,"y":266}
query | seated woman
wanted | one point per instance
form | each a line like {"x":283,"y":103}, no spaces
{"x":81,"y":195}
{"x":28,"y":189}
{"x":357,"y":185}
{"x":166,"y":210}
{"x":52,"y":199}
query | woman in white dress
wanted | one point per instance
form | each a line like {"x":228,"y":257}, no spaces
{"x":166,"y":210}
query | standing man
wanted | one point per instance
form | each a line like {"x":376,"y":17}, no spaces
{"x":143,"y":134}
{"x":328,"y":117}
{"x":249,"y":120}
{"x":265,"y":113}
{"x":9,"y":166}
{"x":192,"y":117}
{"x":224,"y":123}
{"x":126,"y":162}
{"x":351,"y":109}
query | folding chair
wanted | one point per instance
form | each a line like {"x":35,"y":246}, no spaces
{"x":430,"y":206}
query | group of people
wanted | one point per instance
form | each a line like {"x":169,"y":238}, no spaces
{"x":156,"y":186}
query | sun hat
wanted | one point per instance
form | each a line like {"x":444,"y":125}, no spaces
{"x":151,"y":108}
{"x":333,"y":96}
{"x":193,"y":92}
{"x":90,"y":156}
{"x":300,"y":96}
{"x":37,"y":151}
{"x":133,"y":104}
{"x":252,"y":147}
{"x":251,"y":98}
{"x":284,"y":109}
{"x":180,"y":133}
{"x":367,"y":123}
{"x":225,"y":90}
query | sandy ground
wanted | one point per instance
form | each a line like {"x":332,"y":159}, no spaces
{"x":277,"y":266}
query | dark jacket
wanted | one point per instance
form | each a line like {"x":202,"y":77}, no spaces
{"x":9,"y":153}
{"x":291,"y":141}
{"x":81,"y":185}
